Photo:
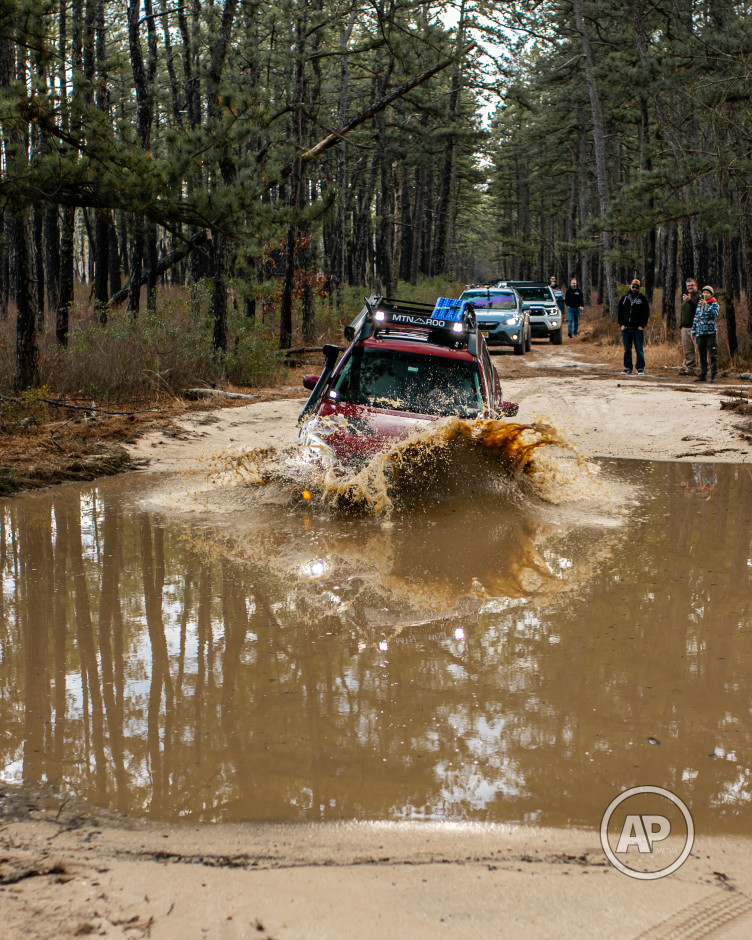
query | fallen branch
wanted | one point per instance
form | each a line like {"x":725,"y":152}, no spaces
{"x":193,"y":393}
{"x":92,"y":409}
{"x":302,"y":351}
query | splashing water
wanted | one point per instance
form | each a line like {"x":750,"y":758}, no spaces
{"x":450,"y":459}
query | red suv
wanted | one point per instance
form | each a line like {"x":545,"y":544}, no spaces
{"x":407,"y":365}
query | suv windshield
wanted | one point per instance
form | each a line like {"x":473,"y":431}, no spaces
{"x":536,"y":293}
{"x":406,"y":381}
{"x":491,"y":300}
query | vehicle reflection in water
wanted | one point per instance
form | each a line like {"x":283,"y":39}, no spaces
{"x":471,"y":660}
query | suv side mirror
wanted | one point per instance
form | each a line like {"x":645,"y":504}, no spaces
{"x":309,"y":381}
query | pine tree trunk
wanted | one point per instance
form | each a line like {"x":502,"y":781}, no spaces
{"x":4,"y":275}
{"x":406,"y":228}
{"x":113,"y":258}
{"x":429,"y":211}
{"x":417,"y":225}
{"x":150,"y":255}
{"x":385,"y":243}
{"x":570,"y":228}
{"x":39,"y":262}
{"x":65,"y":295}
{"x":601,"y":164}
{"x":52,"y":257}
{"x":219,"y":301}
{"x":744,"y":203}
{"x":101,"y":264}
{"x":686,"y":254}
{"x":136,"y":266}
{"x":728,"y":296}
{"x":285,"y":307}
{"x":585,"y":260}
{"x":669,"y":279}
{"x":27,"y":351}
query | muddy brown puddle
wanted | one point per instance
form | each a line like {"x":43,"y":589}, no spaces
{"x":483,"y":659}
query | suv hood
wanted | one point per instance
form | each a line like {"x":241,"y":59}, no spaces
{"x":357,"y":431}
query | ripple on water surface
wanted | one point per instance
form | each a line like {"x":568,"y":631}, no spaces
{"x":517,"y":647}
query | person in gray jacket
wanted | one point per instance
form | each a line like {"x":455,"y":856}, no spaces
{"x":690,"y":300}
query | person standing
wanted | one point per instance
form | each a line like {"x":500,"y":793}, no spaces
{"x":575,"y":301}
{"x":690,"y":300}
{"x":633,"y":313}
{"x":558,"y":294}
{"x":705,"y":334}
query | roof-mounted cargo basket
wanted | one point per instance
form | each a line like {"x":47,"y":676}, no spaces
{"x":448,"y":322}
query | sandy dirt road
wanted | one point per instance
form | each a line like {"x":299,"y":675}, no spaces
{"x":71,"y":871}
{"x":76,"y":874}
{"x":658,"y":416}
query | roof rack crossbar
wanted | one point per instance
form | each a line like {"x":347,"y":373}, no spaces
{"x":448,"y":321}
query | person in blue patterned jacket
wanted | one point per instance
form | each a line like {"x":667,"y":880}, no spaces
{"x":705,"y":334}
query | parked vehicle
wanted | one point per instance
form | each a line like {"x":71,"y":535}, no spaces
{"x":407,"y":365}
{"x":539,"y":301}
{"x":501,"y":316}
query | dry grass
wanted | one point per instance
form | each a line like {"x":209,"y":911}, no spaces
{"x":166,"y":350}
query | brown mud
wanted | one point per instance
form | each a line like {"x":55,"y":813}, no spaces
{"x":70,"y":440}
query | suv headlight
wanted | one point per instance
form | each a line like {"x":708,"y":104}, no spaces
{"x":313,"y":448}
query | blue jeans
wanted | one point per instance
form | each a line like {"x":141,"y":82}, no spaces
{"x":573,"y":320}
{"x":631,"y":335}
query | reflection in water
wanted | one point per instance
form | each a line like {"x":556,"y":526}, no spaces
{"x":474,"y":659}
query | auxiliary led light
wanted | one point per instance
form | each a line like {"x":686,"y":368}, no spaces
{"x":379,"y":315}
{"x":457,"y":327}
{"x":515,"y":336}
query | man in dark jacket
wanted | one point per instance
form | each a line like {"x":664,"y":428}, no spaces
{"x":690,"y":300}
{"x":575,"y":301}
{"x":634,"y":311}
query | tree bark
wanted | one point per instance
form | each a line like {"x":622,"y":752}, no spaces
{"x":601,"y":164}
{"x":669,"y":279}
{"x":101,"y":263}
{"x":52,"y":257}
{"x":27,"y":351}
{"x":65,"y":296}
{"x":219,"y":300}
{"x":728,"y":296}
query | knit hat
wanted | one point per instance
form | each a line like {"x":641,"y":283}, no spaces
{"x":708,"y":287}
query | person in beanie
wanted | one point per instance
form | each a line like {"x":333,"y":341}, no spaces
{"x":705,"y":334}
{"x":690,"y":300}
{"x":633,"y":312}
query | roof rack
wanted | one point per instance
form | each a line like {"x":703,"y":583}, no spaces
{"x":448,"y":322}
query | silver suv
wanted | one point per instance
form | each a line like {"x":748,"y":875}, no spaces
{"x":539,"y":301}
{"x":501,"y":317}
